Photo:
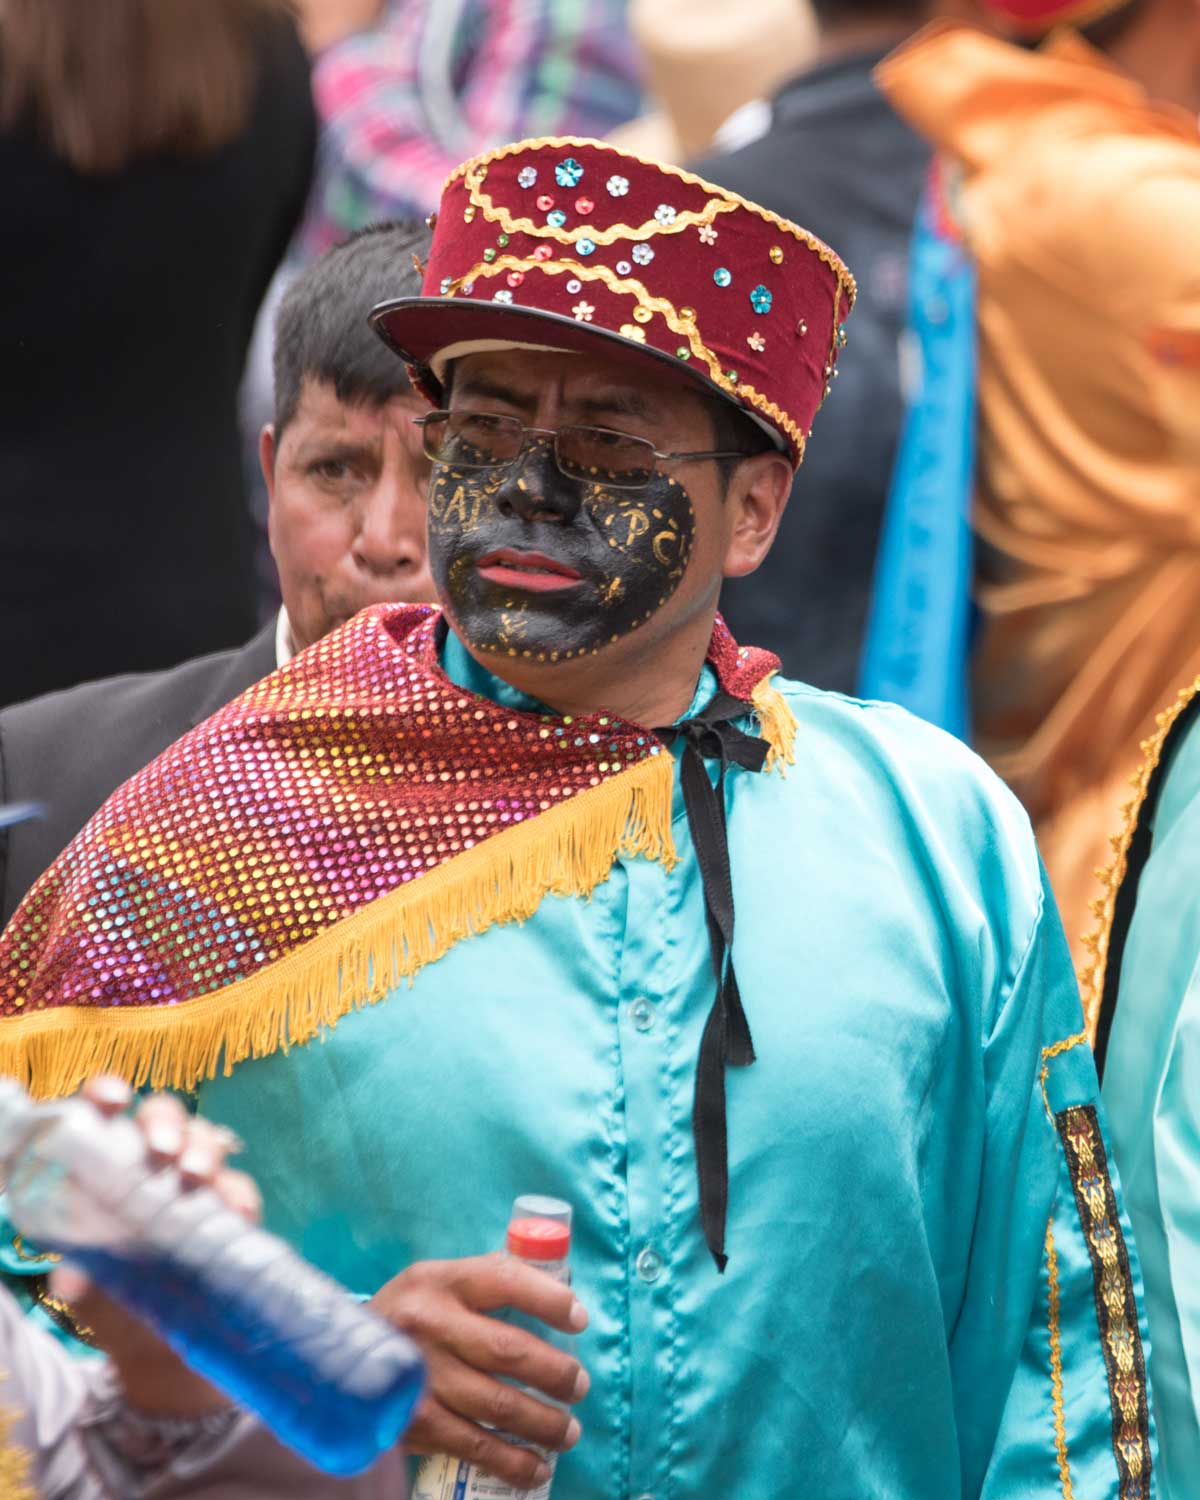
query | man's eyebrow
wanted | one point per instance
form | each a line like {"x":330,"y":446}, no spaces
{"x":620,"y":401}
{"x":334,"y":450}
{"x":490,"y":389}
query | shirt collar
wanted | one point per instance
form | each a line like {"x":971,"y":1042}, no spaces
{"x":285,"y":646}
{"x":465,"y":672}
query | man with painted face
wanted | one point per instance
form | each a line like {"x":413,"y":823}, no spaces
{"x":556,"y":889}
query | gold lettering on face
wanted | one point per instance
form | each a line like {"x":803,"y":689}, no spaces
{"x":637,"y":523}
{"x":437,"y":499}
{"x":666,"y":547}
{"x":456,"y":509}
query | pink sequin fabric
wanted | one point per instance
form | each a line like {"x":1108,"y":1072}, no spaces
{"x":354,"y":769}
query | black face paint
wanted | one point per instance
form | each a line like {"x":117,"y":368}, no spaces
{"x":629,"y":550}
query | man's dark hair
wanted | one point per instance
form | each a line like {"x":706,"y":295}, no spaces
{"x":321,"y":330}
{"x":834,"y":12}
{"x":735,"y":432}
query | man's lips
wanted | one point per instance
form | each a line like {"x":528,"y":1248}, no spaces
{"x":533,"y":571}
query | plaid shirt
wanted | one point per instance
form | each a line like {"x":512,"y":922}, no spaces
{"x":439,"y":80}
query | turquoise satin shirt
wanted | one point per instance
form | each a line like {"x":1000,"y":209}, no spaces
{"x":1152,"y":1090}
{"x":909,"y":1310}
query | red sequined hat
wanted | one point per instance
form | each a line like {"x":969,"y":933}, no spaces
{"x":574,"y":245}
{"x":1032,"y":18}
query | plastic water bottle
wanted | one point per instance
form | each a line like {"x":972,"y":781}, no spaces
{"x":539,"y":1233}
{"x":327,"y":1376}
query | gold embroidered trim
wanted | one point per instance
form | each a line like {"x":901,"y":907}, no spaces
{"x":18,"y":1244}
{"x":819,"y":248}
{"x":16,"y":1478}
{"x":1091,"y":978}
{"x":1116,"y":1305}
{"x":1056,"y":1381}
{"x":631,"y":287}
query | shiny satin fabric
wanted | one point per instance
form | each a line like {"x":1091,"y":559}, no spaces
{"x":885,"y":1325}
{"x":1152,"y":1091}
{"x":1080,"y":204}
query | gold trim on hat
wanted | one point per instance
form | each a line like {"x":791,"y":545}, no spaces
{"x":476,"y":170}
{"x":687,"y":218}
{"x":684,"y":328}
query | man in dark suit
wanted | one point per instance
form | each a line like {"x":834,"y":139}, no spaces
{"x":346,"y":477}
{"x":837,"y":158}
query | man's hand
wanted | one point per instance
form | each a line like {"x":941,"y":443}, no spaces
{"x":442,"y":1306}
{"x":153,"y":1377}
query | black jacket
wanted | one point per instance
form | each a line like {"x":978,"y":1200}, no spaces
{"x":72,"y":750}
{"x":839,"y":160}
{"x":127,"y":304}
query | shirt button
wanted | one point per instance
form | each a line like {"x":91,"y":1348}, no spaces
{"x":641,"y":1013}
{"x":649,"y":1264}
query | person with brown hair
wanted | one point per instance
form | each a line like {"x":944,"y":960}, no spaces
{"x":157,"y":156}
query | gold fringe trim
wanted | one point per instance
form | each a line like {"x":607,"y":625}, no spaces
{"x":1091,"y":978}
{"x":777,"y":723}
{"x":16,"y":1466}
{"x":567,"y":850}
{"x":1056,"y":1380}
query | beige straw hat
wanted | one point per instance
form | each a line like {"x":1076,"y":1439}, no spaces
{"x":705,"y":59}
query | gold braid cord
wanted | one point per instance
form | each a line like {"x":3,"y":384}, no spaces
{"x":1091,"y":978}
{"x":1056,"y":1381}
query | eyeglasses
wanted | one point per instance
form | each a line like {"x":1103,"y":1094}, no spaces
{"x":487,"y":440}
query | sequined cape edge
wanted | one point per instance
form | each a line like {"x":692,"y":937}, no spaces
{"x":566,"y":850}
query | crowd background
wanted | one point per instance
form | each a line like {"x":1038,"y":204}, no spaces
{"x":172,"y":167}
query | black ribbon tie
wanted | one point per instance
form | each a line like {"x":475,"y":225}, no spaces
{"x":711,"y":735}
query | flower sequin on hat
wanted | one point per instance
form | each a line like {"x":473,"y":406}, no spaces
{"x":626,"y":279}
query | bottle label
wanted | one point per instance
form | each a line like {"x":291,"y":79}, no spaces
{"x":441,"y":1478}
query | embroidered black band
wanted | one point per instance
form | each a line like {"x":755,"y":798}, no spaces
{"x":1116,"y":1306}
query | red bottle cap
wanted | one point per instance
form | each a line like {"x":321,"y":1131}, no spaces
{"x":539,"y":1239}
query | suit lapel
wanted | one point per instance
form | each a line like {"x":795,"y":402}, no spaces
{"x":244,"y":668}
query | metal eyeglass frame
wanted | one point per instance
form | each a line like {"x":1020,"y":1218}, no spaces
{"x":553,"y":432}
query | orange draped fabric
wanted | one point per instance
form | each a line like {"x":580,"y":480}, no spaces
{"x":1080,"y":200}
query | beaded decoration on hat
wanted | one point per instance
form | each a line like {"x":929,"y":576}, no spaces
{"x":620,"y":255}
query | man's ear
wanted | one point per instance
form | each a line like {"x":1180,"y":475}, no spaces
{"x":266,"y":457}
{"x":758,"y":494}
{"x":266,"y":462}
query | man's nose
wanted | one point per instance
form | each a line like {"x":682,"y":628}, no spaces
{"x":391,"y":533}
{"x":533,"y":488}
